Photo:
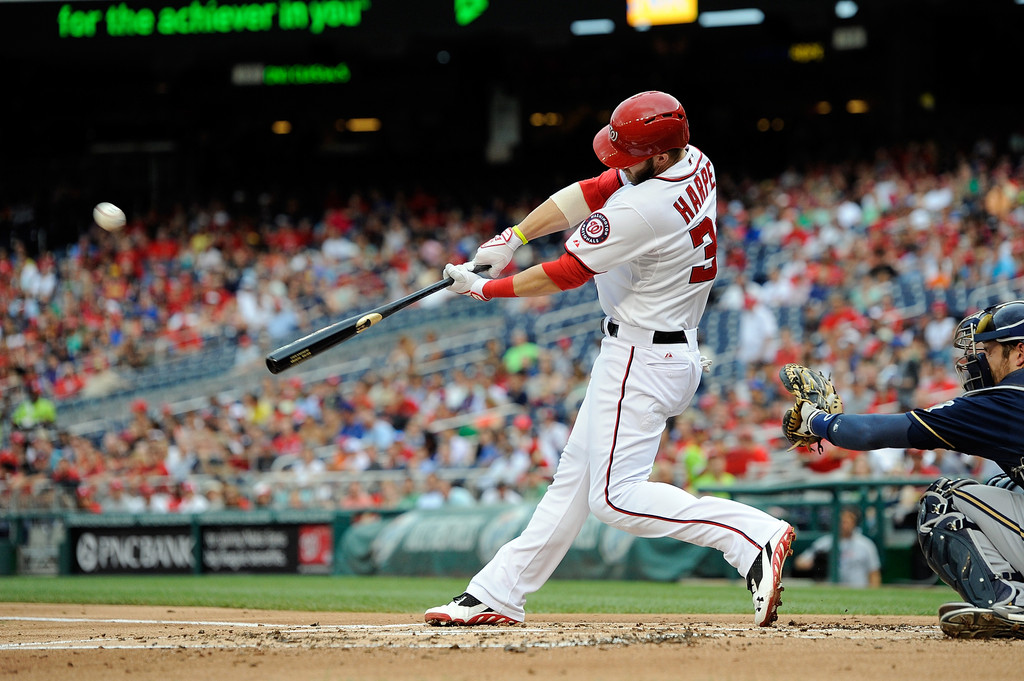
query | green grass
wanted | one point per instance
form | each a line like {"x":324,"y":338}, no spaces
{"x":415,"y":594}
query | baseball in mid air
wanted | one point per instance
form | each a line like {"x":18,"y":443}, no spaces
{"x":108,"y":216}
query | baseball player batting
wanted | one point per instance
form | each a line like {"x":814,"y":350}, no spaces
{"x":646,"y":234}
{"x":971,"y":534}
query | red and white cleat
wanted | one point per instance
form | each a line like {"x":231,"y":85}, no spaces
{"x":764,"y":579}
{"x":465,"y":610}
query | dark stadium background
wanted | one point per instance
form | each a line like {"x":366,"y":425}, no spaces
{"x":150,"y":121}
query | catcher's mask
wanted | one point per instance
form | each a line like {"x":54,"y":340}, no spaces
{"x":1003,"y":323}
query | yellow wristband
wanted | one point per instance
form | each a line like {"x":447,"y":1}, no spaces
{"x":519,"y":233}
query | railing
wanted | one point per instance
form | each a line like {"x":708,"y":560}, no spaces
{"x":46,"y":496}
{"x":867,"y":493}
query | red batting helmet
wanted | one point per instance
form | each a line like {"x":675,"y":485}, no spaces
{"x":643,"y":126}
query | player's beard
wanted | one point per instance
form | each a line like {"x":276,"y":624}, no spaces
{"x":641,"y":172}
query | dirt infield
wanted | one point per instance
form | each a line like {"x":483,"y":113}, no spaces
{"x":83,"y":642}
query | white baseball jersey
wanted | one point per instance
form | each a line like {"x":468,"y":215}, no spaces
{"x":653,"y":247}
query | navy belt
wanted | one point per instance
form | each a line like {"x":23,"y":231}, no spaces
{"x":660,"y":337}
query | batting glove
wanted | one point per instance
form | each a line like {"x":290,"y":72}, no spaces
{"x":497,"y":252}
{"x":465,"y":281}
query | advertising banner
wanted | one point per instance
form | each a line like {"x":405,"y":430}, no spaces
{"x":39,"y":552}
{"x":458,"y":542}
{"x":108,"y":550}
{"x":128,"y":547}
{"x":267,"y":548}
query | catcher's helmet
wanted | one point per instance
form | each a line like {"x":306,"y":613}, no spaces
{"x":642,"y":126}
{"x":1003,"y":323}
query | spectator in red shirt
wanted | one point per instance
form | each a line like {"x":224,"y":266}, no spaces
{"x":86,"y":497}
{"x":65,"y":474}
{"x":747,"y":457}
{"x":842,"y":316}
{"x":829,"y":460}
{"x":789,"y":349}
{"x":916,"y":464}
{"x":357,"y":497}
{"x":287,"y":441}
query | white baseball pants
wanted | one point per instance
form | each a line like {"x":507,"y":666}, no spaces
{"x":604,"y":470}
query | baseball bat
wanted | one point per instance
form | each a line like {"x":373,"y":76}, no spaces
{"x":298,"y":351}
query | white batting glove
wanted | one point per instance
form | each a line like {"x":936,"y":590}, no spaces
{"x":465,"y":281}
{"x":498,"y":251}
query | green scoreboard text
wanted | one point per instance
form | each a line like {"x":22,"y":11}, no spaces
{"x":210,"y":17}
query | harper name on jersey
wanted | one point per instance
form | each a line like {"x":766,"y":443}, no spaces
{"x":703,"y":185}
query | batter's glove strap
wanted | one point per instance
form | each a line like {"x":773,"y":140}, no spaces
{"x":497,"y":252}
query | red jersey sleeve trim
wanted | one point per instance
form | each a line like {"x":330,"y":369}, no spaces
{"x":597,"y":190}
{"x":568,"y":272}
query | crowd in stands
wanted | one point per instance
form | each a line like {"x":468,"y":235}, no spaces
{"x":842,"y":237}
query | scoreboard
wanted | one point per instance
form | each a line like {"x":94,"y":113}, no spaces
{"x":184,"y":94}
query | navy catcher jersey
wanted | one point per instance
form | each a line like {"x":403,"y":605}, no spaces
{"x":983,"y":423}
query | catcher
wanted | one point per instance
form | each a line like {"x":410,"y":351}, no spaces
{"x":971,"y":534}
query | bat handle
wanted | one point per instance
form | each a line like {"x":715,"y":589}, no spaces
{"x":477,"y":269}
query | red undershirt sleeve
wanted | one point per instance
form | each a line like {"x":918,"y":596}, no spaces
{"x":596,"y":190}
{"x":499,"y":288}
{"x":568,"y":272}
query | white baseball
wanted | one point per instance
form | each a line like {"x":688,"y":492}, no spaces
{"x":108,"y":216}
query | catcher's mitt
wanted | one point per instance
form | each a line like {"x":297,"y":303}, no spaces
{"x":810,"y":388}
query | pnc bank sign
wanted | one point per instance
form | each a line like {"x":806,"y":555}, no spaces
{"x":115,"y":550}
